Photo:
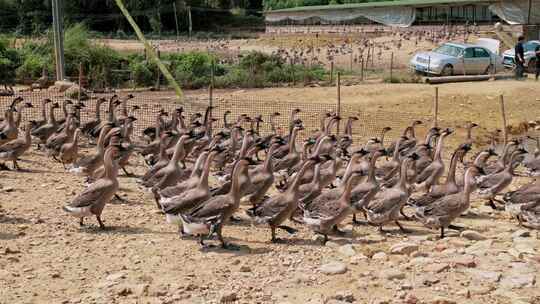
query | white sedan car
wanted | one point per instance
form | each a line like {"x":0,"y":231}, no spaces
{"x":457,"y":59}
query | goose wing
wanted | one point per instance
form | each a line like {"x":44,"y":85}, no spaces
{"x":12,"y":145}
{"x":97,"y":191}
{"x":215,"y":206}
{"x":385,"y":201}
{"x":271,"y":207}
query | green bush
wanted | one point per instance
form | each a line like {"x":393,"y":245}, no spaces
{"x":9,"y":60}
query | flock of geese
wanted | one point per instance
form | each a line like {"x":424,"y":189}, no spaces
{"x":320,"y":183}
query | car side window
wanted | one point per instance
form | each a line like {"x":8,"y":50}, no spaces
{"x":480,"y":53}
{"x":469,"y":53}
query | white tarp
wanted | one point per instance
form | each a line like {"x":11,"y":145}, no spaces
{"x":392,"y":16}
{"x":517,"y":11}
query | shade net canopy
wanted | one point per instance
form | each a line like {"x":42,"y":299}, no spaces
{"x":517,"y":11}
{"x":392,"y":16}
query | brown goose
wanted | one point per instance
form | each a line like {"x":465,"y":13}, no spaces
{"x":69,"y":152}
{"x":10,"y":131}
{"x":43,"y":109}
{"x":163,"y":158}
{"x":430,"y":176}
{"x":441,"y":213}
{"x":45,"y":131}
{"x":277,"y":209}
{"x":387,"y":204}
{"x":514,"y":200}
{"x":86,"y":165}
{"x":20,"y":109}
{"x":323,"y":221}
{"x":493,"y":184}
{"x":93,"y":199}
{"x":450,"y":186}
{"x":12,"y":150}
{"x":293,"y":157}
{"x":213,"y":214}
{"x":87,"y":127}
{"x":191,"y":198}
{"x":410,"y":133}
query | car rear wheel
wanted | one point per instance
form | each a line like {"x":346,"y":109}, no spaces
{"x":490,"y":70}
{"x":531,"y":68}
{"x":448,"y":70}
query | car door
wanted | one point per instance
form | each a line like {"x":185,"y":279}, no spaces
{"x":482,"y":60}
{"x":468,"y":62}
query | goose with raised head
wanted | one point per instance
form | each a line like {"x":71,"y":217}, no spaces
{"x":43,"y":109}
{"x":45,"y":131}
{"x":468,"y":129}
{"x":364,"y":192}
{"x":20,"y":109}
{"x":514,"y":200}
{"x":111,"y":106}
{"x":493,"y":184}
{"x":480,"y":161}
{"x":276,"y":209}
{"x":377,"y":143}
{"x":213,"y":214}
{"x":292,"y":157}
{"x":385,"y":207}
{"x":153,"y":133}
{"x":65,"y":112}
{"x":69,"y":152}
{"x":191,"y":182}
{"x":93,"y":199}
{"x":346,"y":139}
{"x":262,"y":177}
{"x":190,"y":198}
{"x":87,"y":127}
{"x":12,"y":150}
{"x":410,"y":143}
{"x":430,"y":176}
{"x":86,"y":165}
{"x":323,"y":221}
{"x":55,"y":141}
{"x":425,"y":150}
{"x":308,"y":176}
{"x":163,"y":158}
{"x":10,"y":131}
{"x":390,"y":168}
{"x":319,"y":200}
{"x":122,"y":113}
{"x":501,"y":162}
{"x":171,"y":173}
{"x":450,"y":186}
{"x":9,"y":112}
{"x":441,"y":213}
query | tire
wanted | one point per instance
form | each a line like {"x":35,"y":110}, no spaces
{"x":531,"y":67}
{"x":448,"y":70}
{"x":490,"y":70}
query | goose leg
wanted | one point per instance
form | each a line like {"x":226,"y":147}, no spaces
{"x":454,"y":227}
{"x":274,"y":238}
{"x":81,"y":222}
{"x":126,"y":172}
{"x":403,"y":214}
{"x":381,"y":230}
{"x":402,"y":228}
{"x":15,"y":165}
{"x":101,"y":225}
{"x":442,"y":232}
{"x":336,"y":230}
{"x":289,"y":230}
{"x":491,"y":203}
{"x":116,"y":196}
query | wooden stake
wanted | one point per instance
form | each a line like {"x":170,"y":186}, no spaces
{"x":80,"y":81}
{"x":391,"y":66}
{"x":503,"y":113}
{"x":436,"y":108}
{"x":331,"y":71}
{"x":338,"y":99}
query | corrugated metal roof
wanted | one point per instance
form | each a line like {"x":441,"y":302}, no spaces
{"x":416,"y":3}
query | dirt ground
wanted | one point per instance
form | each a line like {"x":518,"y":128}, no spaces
{"x":46,"y":258}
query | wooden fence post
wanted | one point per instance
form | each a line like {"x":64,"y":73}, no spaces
{"x":331,"y":71}
{"x":503,"y":113}
{"x":80,"y":81}
{"x":436,"y":108}
{"x":338,"y":110}
{"x":391,"y":66}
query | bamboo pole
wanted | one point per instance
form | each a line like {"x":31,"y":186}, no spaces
{"x":331,"y":71}
{"x":149,"y":50}
{"x":503,"y":114}
{"x":80,"y":81}
{"x":391,"y":66}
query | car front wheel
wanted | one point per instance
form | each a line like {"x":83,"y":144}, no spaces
{"x":448,"y":70}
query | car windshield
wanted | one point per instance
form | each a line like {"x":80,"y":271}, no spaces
{"x":530,"y":46}
{"x":450,"y":50}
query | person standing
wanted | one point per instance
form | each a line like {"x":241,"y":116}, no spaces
{"x":520,"y":57}
{"x":537,"y":51}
